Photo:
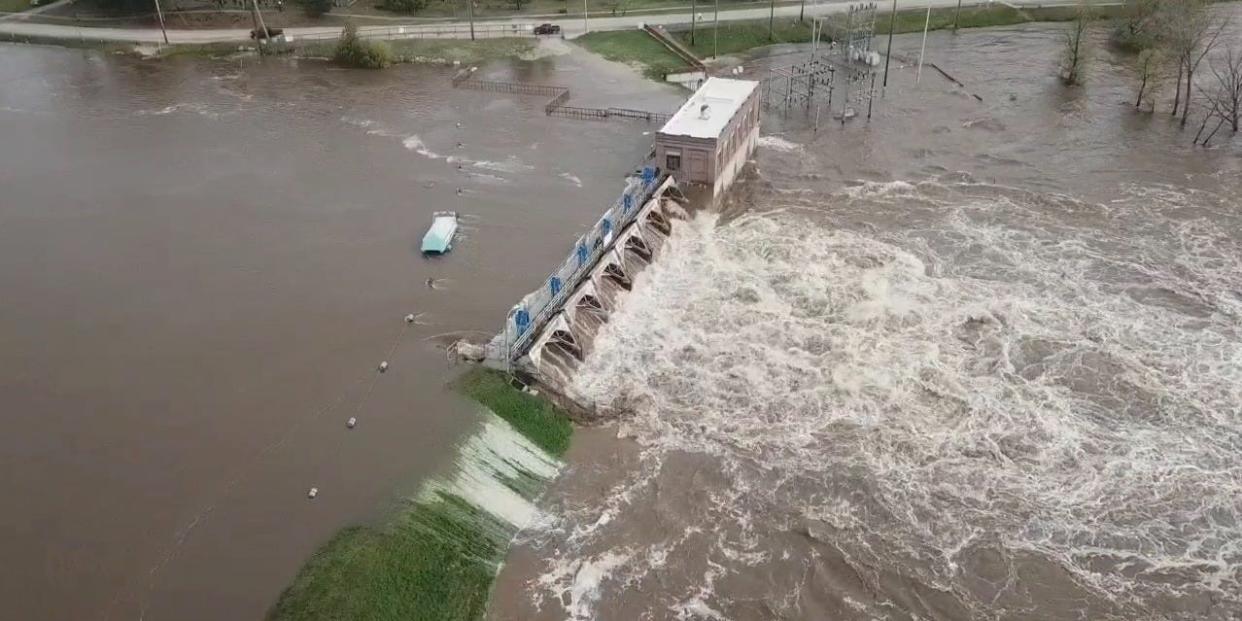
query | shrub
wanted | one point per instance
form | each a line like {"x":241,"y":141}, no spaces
{"x":354,"y":51}
{"x":405,"y":6}
{"x":316,"y":8}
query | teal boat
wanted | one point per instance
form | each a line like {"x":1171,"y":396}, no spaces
{"x":439,"y":238}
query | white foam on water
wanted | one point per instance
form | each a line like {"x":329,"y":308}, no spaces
{"x":511,"y":165}
{"x":572,"y":178}
{"x":495,"y":453}
{"x":197,"y":108}
{"x":580,"y":581}
{"x":358,"y":122}
{"x":1001,"y":370}
{"x":779,"y":144}
{"x":415,"y":143}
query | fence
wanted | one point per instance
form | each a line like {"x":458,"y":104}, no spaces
{"x":537,"y":308}
{"x":605,"y":113}
{"x":556,"y":106}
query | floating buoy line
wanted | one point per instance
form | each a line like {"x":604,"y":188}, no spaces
{"x":410,"y":319}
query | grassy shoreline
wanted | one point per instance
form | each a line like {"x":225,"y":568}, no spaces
{"x":438,"y":555}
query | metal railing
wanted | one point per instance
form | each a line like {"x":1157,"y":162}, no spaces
{"x":535,"y":310}
{"x":433,"y":31}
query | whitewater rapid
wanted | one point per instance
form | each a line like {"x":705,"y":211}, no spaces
{"x":998,"y":403}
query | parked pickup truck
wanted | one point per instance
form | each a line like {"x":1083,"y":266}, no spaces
{"x":547,"y":29}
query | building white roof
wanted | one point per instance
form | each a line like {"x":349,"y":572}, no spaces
{"x":722,"y":96}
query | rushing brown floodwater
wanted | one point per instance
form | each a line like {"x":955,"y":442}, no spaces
{"x":973,"y":360}
{"x":202,"y":263}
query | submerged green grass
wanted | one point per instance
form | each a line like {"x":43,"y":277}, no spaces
{"x":535,"y":418}
{"x":436,"y":561}
{"x":635,"y":48}
{"x":438,"y":556}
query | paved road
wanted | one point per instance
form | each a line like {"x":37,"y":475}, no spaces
{"x":572,"y":27}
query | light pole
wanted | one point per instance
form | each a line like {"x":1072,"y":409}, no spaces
{"x":160,"y":12}
{"x":919,"y":75}
{"x":957,"y":15}
{"x":470,"y":10}
{"x":771,"y":17}
{"x":716,"y":31}
{"x":892,"y":23}
{"x":694,"y":18}
{"x":586,"y":28}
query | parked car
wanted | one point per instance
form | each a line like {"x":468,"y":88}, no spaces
{"x":547,"y":29}
{"x":271,"y":32}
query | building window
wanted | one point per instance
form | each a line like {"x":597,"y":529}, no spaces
{"x":672,"y":161}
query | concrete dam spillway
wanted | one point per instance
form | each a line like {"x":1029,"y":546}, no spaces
{"x":704,"y":145}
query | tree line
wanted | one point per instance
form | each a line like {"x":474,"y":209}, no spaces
{"x":1171,"y":39}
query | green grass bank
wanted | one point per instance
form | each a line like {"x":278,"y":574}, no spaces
{"x":437,"y":556}
{"x":531,"y":416}
{"x":638,"y":49}
{"x":14,"y":6}
{"x":634,"y":48}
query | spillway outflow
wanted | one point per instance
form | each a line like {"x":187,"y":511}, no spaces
{"x":568,"y":337}
{"x":1001,"y":410}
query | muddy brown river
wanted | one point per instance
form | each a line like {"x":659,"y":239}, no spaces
{"x":203,"y":262}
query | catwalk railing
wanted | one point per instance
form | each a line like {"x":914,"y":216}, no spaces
{"x":535,"y":310}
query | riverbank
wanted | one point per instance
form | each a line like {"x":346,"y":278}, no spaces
{"x":203,"y":14}
{"x":414,"y":51}
{"x":638,"y":49}
{"x":439,"y":554}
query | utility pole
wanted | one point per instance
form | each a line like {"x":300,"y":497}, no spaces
{"x":716,"y":31}
{"x":892,"y":23}
{"x":259,"y":25}
{"x":694,"y":18}
{"x":470,"y":10}
{"x":160,"y":12}
{"x":586,"y":28}
{"x":801,"y":11}
{"x":957,"y":15}
{"x":771,"y":18}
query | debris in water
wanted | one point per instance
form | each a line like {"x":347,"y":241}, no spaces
{"x":410,"y":317}
{"x":351,"y":422}
{"x":314,"y":491}
{"x":383,"y":366}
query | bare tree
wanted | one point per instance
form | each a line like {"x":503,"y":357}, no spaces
{"x":1150,"y":72}
{"x":1074,"y":54}
{"x":1192,"y":34}
{"x":1226,"y":98}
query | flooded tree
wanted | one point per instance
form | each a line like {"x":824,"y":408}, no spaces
{"x":1074,"y":55}
{"x":1150,"y":68}
{"x":1138,"y":28}
{"x":1192,"y":33}
{"x":1225,"y":99}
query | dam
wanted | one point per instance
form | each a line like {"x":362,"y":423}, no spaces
{"x":697,"y":153}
